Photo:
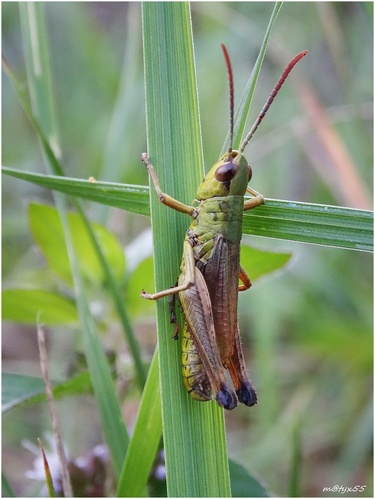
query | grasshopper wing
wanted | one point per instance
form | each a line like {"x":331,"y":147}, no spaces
{"x":197,"y":309}
{"x":221,"y":274}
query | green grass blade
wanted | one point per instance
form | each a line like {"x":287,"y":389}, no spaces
{"x":296,"y":460}
{"x":35,"y":26}
{"x":133,"y":198}
{"x":312,"y":223}
{"x":325,"y":225}
{"x":241,"y":115}
{"x":39,"y":79}
{"x":145,"y":439}
{"x":194,"y":437}
{"x":38,"y":71}
{"x":31,"y":18}
{"x":7,"y":490}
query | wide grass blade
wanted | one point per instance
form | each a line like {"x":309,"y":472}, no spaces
{"x":194,"y":438}
{"x":145,"y":439}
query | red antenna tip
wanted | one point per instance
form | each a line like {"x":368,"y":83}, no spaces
{"x":231,"y":97}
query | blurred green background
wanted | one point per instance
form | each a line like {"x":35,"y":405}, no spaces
{"x":307,"y":331}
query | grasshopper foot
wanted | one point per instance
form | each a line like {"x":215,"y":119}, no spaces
{"x":247,"y":395}
{"x":225,"y":398}
{"x":145,"y":295}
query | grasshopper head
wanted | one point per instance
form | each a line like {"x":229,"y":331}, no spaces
{"x":228,"y":177}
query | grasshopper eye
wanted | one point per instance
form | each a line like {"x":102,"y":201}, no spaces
{"x":226,"y":172}
{"x":250,"y":172}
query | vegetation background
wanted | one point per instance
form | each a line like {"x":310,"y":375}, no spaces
{"x":307,"y":331}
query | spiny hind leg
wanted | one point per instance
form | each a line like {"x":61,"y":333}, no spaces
{"x":172,"y":313}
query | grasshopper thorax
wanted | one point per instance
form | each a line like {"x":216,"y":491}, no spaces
{"x":228,"y":177}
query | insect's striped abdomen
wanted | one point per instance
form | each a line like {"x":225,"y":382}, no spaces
{"x":194,"y":374}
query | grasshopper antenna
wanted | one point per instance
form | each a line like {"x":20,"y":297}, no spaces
{"x":231,"y":100}
{"x":272,"y":96}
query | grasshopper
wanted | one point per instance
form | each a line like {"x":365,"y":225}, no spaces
{"x":208,"y":285}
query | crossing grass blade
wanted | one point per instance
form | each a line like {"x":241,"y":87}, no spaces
{"x":325,"y":225}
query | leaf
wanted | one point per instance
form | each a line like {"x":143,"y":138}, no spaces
{"x":20,"y":389}
{"x":47,"y":471}
{"x":258,"y":262}
{"x":193,"y":433}
{"x":145,"y":439}
{"x":17,"y":388}
{"x":243,"y":484}
{"x":312,"y":223}
{"x":29,"y":306}
{"x":133,"y":198}
{"x":244,"y":106}
{"x":142,"y":277}
{"x":47,"y":231}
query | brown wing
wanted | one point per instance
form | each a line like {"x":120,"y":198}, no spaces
{"x":196,"y":305}
{"x":221,"y":274}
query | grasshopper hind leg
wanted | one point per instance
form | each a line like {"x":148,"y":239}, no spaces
{"x":244,"y":389}
{"x":247,"y":394}
{"x":225,"y":398}
{"x":172,"y":314}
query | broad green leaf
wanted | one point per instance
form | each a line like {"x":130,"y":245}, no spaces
{"x":17,"y":388}
{"x":142,"y":277}
{"x":29,"y":306}
{"x":47,"y":230}
{"x":258,"y":262}
{"x":243,"y":484}
{"x":20,"y":389}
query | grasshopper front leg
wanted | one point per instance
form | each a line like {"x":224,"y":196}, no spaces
{"x":165,"y":198}
{"x":253,"y":202}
